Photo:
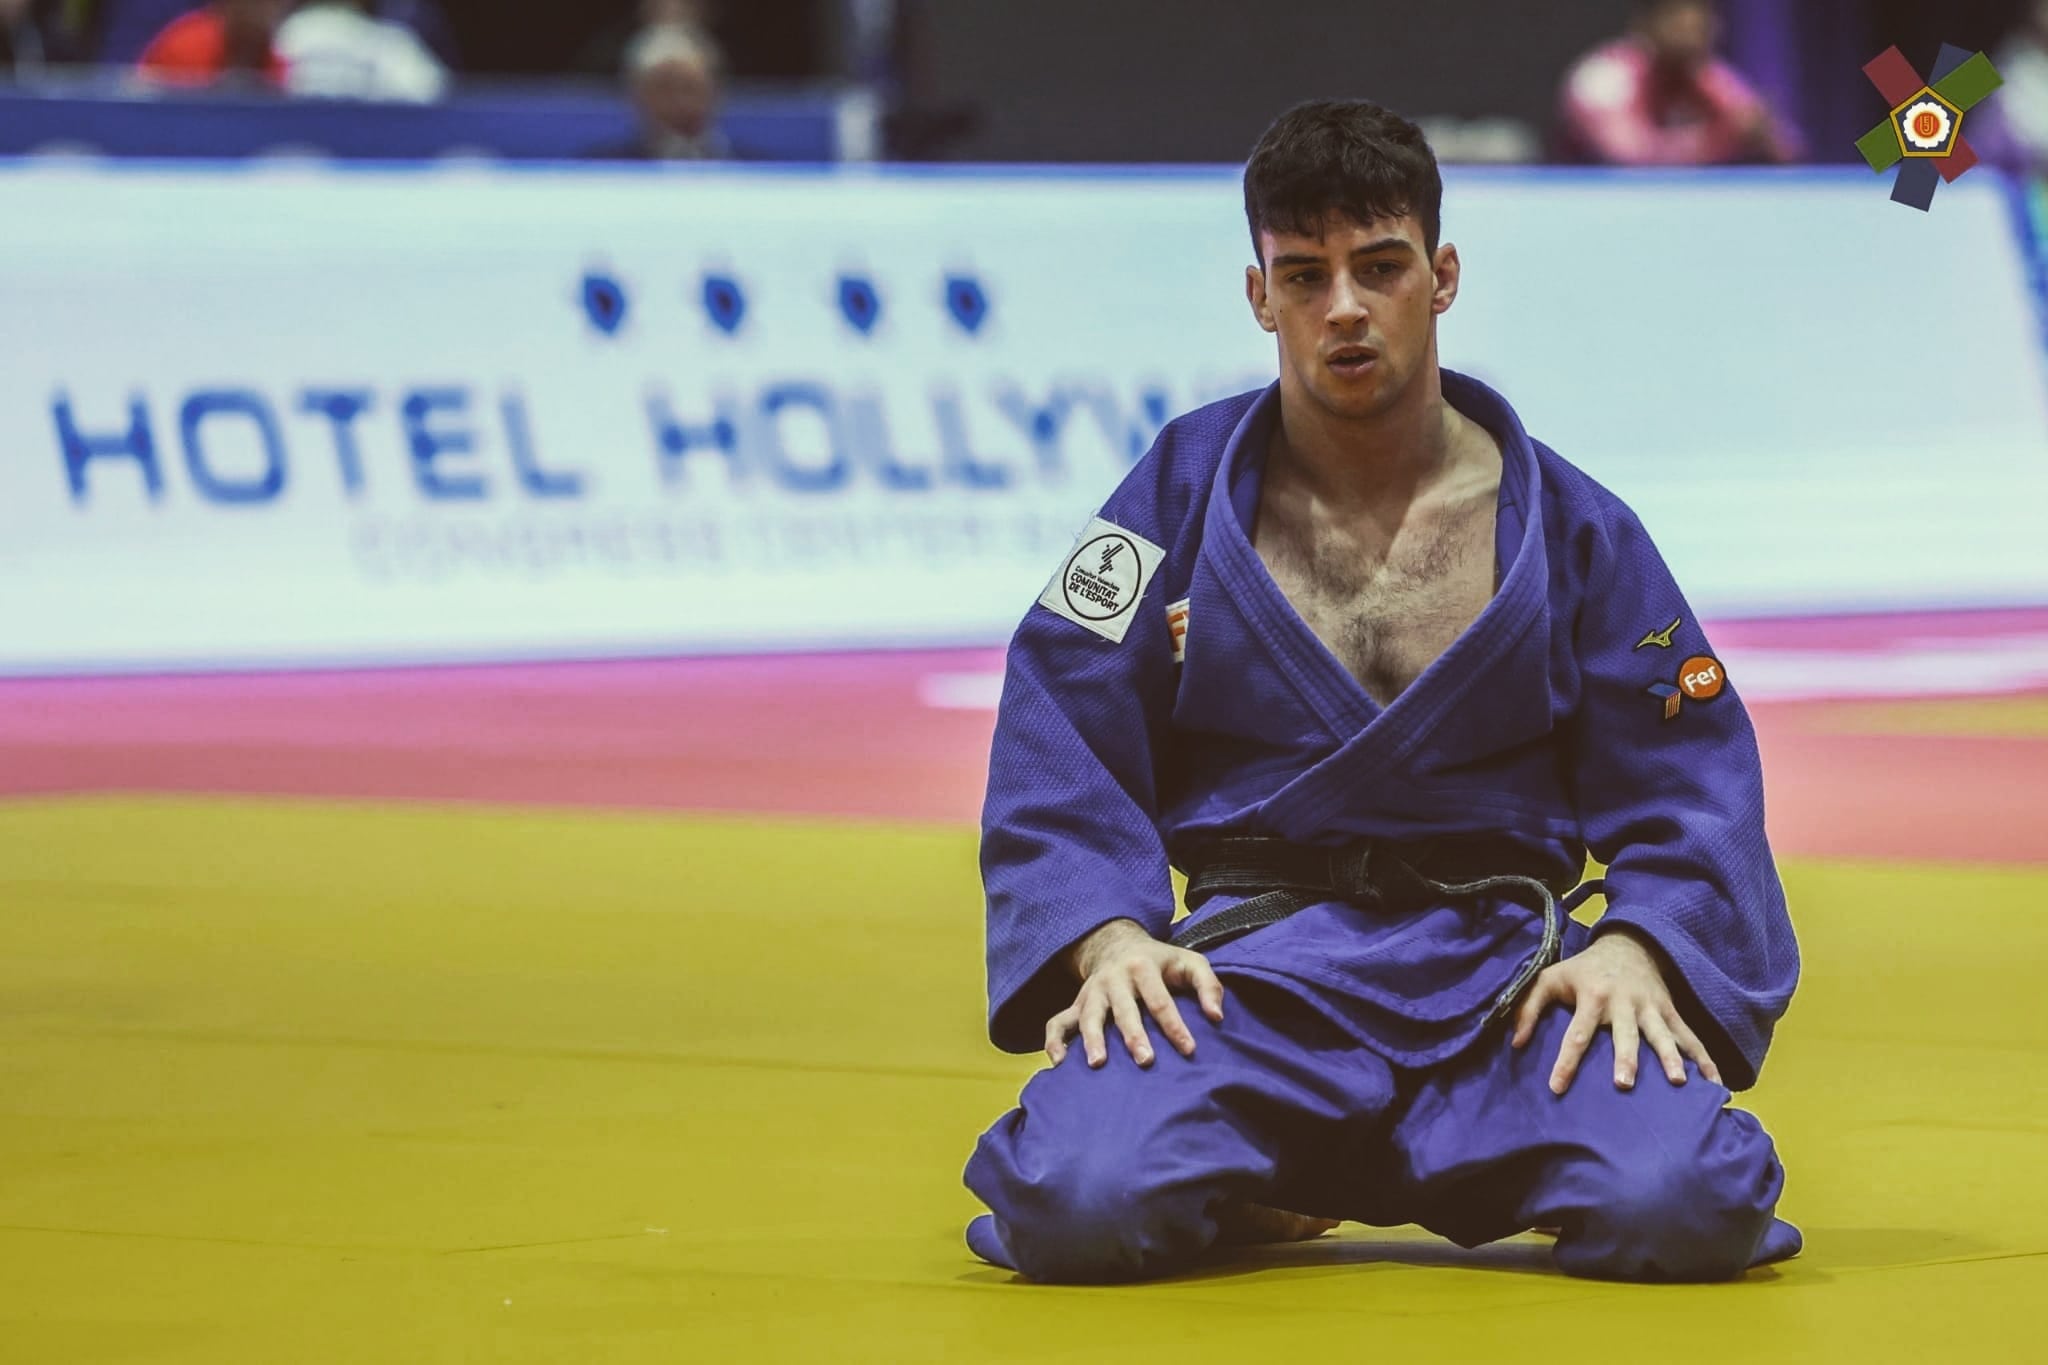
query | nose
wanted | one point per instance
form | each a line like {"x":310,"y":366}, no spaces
{"x":1347,"y":303}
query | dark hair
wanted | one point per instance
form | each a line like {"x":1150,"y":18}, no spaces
{"x":1346,"y":156}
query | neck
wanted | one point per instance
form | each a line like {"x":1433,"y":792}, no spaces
{"x":1369,"y":460}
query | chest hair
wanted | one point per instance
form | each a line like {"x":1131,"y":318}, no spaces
{"x":1387,"y":605}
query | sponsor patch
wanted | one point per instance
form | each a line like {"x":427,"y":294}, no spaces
{"x":1177,"y":628}
{"x":1660,"y":638}
{"x":1101,"y":583}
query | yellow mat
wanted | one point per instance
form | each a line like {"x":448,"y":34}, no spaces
{"x":307,"y":1082}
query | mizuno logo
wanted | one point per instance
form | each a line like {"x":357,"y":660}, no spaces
{"x":1661,"y":638}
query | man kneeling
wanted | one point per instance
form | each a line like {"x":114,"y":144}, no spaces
{"x":1375,"y":669}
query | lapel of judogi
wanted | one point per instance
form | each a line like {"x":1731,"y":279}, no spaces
{"x":1489,"y":691}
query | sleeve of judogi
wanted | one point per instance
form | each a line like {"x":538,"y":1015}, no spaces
{"x":1070,"y":834}
{"x":1669,"y":787}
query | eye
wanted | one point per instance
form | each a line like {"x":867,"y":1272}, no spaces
{"x":1385,"y":268}
{"x":1305,"y":277}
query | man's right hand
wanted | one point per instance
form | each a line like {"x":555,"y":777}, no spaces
{"x":1121,"y":968}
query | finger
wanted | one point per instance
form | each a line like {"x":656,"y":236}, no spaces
{"x":1208,"y":988}
{"x":1577,"y":1038}
{"x":1545,"y":990}
{"x":1056,"y":1030}
{"x":1689,"y":1043}
{"x":1091,"y":1008}
{"x":1152,"y":990}
{"x":1627,"y":1047}
{"x":1658,"y":1034}
{"x":1130,"y":1020}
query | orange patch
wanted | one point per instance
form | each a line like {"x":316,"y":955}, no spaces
{"x":1702,"y":677}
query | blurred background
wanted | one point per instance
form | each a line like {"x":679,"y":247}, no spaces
{"x":977,"y":80}
{"x":509,"y":514}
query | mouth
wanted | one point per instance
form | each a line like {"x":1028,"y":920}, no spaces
{"x":1351,"y":360}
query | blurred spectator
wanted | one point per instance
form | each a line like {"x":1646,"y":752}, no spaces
{"x":605,"y":55}
{"x":2020,"y":113}
{"x":226,"y":41}
{"x":672,"y":76}
{"x":1660,"y":97}
{"x":38,"y":33}
{"x":338,"y":49}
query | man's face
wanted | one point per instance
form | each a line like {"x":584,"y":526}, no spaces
{"x":1682,"y":33}
{"x":1354,"y":309}
{"x":678,"y":96}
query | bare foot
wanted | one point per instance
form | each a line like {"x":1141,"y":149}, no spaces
{"x":1244,"y":1224}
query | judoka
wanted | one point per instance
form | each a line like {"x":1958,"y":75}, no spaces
{"x":1375,"y":669}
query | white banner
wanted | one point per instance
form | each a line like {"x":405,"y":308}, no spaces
{"x":253,"y":418}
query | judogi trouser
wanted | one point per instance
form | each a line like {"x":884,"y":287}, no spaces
{"x":1117,"y":1173}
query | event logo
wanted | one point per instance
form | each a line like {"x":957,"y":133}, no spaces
{"x":605,"y":302}
{"x":1923,"y":136}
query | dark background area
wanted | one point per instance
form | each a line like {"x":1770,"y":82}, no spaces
{"x":764,"y":40}
{"x":1196,"y":80}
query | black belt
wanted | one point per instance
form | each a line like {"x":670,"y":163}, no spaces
{"x":1281,"y":877}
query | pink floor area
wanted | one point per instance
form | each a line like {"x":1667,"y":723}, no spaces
{"x":905,"y":735}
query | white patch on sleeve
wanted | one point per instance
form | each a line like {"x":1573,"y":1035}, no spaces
{"x":1100,"y":584}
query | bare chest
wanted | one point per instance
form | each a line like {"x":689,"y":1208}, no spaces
{"x":1387,"y":606}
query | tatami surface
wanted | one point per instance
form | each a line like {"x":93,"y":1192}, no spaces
{"x":309,"y":1079}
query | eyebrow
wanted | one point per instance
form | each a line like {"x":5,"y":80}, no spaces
{"x":1370,"y":248}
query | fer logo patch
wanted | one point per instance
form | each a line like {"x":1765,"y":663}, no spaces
{"x":1102,"y":581}
{"x":1702,"y":677}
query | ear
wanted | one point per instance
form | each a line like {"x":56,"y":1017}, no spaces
{"x":1448,"y":270}
{"x":1255,"y":295}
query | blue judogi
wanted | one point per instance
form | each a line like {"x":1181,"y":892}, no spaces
{"x":1356,"y":1074}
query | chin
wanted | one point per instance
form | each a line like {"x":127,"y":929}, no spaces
{"x":1358,"y":399}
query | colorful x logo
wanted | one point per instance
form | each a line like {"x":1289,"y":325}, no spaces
{"x":1925,"y":129}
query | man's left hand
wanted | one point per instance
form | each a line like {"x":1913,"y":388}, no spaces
{"x":1615,"y":983}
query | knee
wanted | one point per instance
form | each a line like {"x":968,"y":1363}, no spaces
{"x":1678,"y":1214}
{"x":1094,"y":1219}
